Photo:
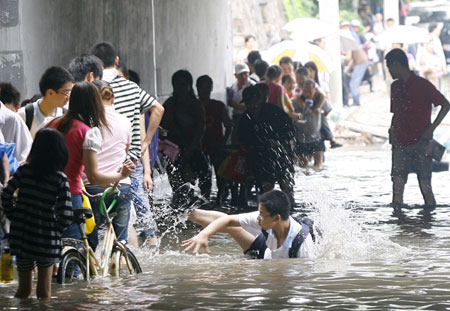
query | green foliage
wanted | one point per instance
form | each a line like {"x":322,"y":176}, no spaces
{"x":300,"y":8}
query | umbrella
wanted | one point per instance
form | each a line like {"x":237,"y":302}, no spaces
{"x":308,"y":29}
{"x":404,"y":34}
{"x":299,"y":51}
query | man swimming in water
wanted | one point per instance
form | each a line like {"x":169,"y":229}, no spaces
{"x":265,"y":234}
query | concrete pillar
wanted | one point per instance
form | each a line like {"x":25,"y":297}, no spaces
{"x":329,"y":13}
{"x":191,"y":34}
{"x":391,"y":10}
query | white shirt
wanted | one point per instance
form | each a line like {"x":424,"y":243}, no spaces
{"x":15,"y":130}
{"x":249,"y":221}
{"x":238,"y":95}
{"x":39,"y":120}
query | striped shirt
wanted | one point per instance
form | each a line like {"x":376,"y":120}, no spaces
{"x":42,"y":211}
{"x":131,"y":101}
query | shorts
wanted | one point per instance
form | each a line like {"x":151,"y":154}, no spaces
{"x":258,"y":248}
{"x":26,"y":265}
{"x":310,"y":148}
{"x":404,"y":156}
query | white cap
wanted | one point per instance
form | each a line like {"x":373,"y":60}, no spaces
{"x":240,"y":68}
{"x":355,"y":23}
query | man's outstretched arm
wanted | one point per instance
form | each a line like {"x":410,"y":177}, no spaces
{"x":201,"y":239}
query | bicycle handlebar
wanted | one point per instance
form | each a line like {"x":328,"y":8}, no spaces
{"x":103,"y":195}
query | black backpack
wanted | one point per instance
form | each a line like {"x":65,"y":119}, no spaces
{"x":29,"y":114}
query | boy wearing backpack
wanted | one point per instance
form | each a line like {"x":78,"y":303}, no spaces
{"x":268,"y":233}
{"x":55,"y":86}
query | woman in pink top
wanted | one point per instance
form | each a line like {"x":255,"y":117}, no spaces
{"x":80,"y":126}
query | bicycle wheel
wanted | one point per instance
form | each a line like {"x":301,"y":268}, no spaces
{"x":119,"y":266}
{"x":71,"y":268}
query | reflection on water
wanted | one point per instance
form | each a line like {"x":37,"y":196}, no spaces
{"x":371,"y":256}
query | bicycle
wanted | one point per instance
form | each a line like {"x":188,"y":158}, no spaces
{"x":79,"y":258}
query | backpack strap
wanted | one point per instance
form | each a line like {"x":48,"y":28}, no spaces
{"x":29,"y":115}
{"x":307,"y":228}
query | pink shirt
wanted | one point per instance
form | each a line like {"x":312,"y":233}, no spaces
{"x":276,"y":90}
{"x":114,"y":143}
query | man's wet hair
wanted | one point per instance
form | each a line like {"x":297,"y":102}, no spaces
{"x":105,"y":51}
{"x":250,"y":93}
{"x":276,"y":202}
{"x":286,"y":60}
{"x":397,"y":55}
{"x":204,"y":79}
{"x":302,"y":71}
{"x":253,"y":56}
{"x":80,"y":66}
{"x":53,"y":79}
{"x":248,"y":37}
{"x":261,"y":67}
{"x":9,"y":94}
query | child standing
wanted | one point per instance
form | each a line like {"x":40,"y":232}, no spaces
{"x":43,"y":210}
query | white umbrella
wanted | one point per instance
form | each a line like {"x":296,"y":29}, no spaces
{"x":308,"y":29}
{"x":404,"y":34}
{"x":299,"y":51}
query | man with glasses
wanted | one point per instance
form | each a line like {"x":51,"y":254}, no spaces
{"x":55,"y":86}
{"x":268,"y":233}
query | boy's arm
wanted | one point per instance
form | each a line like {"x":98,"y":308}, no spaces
{"x":201,"y":239}
{"x":156,"y":114}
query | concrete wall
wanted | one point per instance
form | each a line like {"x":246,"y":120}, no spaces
{"x":191,"y":34}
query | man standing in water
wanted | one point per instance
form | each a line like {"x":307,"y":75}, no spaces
{"x":411,"y":130}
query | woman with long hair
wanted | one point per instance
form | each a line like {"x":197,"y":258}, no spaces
{"x":81,"y":126}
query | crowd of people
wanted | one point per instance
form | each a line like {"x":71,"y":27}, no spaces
{"x":92,"y":125}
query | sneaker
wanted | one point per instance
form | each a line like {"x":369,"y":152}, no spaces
{"x":335,"y":145}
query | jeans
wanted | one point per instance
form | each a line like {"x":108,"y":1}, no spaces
{"x":73,"y":231}
{"x":145,"y":222}
{"x":121,"y":209}
{"x":356,"y":79}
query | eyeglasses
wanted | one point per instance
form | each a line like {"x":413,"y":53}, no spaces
{"x":263,"y":216}
{"x":66,"y":93}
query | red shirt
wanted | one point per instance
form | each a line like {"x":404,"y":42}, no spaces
{"x":75,"y":166}
{"x":411,"y":105}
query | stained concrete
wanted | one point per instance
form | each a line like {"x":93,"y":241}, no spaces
{"x":191,"y":34}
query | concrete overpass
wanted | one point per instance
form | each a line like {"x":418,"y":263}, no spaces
{"x":153,"y":37}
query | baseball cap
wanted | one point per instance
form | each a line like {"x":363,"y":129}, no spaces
{"x":240,"y":68}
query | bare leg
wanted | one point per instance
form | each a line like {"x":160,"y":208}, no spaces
{"x":44,"y":285}
{"x":204,"y":218}
{"x":398,"y":185}
{"x":427,"y":192}
{"x":25,"y":284}
{"x":318,"y":158}
{"x":132,"y":236}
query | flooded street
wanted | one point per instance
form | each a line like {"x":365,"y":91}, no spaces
{"x":370,"y":256}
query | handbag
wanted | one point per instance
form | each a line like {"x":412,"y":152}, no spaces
{"x":235,"y":166}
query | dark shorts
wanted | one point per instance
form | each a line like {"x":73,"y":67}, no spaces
{"x":25,"y":264}
{"x":258,"y":248}
{"x":405,"y":156}
{"x":310,"y":148}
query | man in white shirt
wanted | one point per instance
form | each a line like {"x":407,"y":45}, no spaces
{"x":55,"y":86}
{"x":15,"y":131}
{"x":268,"y":233}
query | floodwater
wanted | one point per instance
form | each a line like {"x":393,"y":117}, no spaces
{"x":371,"y":257}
